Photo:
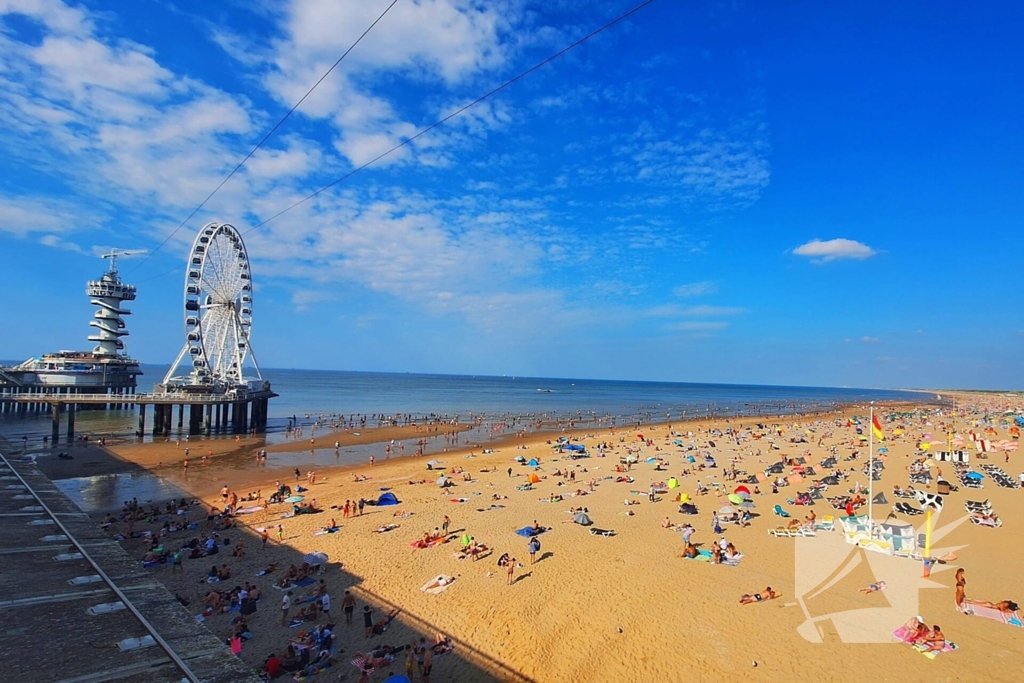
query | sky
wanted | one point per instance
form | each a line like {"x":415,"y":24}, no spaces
{"x":797,"y":193}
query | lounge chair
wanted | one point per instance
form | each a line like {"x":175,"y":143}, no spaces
{"x":986,"y":522}
{"x":780,"y":531}
{"x":780,"y":512}
{"x":828,"y":523}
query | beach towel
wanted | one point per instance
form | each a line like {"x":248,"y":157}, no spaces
{"x":459,"y":500}
{"x":363,"y":664}
{"x":732,"y":561}
{"x":601,"y":532}
{"x":437,"y":590}
{"x":974,"y":609}
{"x":321,"y":532}
{"x":493,"y":507}
{"x":529,"y":531}
{"x":419,"y":543}
{"x":386,"y":528}
{"x":248,"y":510}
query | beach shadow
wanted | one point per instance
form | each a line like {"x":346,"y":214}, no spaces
{"x":545,"y":556}
{"x":522,"y":577}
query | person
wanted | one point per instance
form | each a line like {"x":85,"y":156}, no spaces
{"x":766,"y":594}
{"x":961,"y":584}
{"x":362,"y":503}
{"x":444,"y":526}
{"x":874,"y":587}
{"x":286,"y":604}
{"x":935,"y":640}
{"x":348,"y":604}
{"x":534,"y":547}
{"x":1002,"y":605}
{"x":272,"y":665}
{"x":428,"y":664}
{"x":368,"y":620}
{"x":264,"y":535}
{"x":666,"y":524}
{"x":511,"y":570}
{"x":280,"y":534}
{"x":410,"y":661}
{"x":325,"y":606}
{"x":510,"y":472}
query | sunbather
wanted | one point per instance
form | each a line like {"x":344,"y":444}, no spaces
{"x":935,"y":640}
{"x":1002,"y":605}
{"x":874,"y":588}
{"x":763,"y":596}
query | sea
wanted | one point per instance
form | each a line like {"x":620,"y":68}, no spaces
{"x":312,"y":400}
{"x":307,"y":397}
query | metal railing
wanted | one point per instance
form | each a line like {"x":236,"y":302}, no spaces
{"x":148,"y":399}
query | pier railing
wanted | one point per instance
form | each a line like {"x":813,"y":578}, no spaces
{"x":137,"y":399}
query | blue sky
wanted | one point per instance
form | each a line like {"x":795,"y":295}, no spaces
{"x":789,"y":193}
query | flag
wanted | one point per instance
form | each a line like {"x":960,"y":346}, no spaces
{"x":876,"y":427}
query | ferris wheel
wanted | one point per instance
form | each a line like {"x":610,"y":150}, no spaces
{"x":218,"y":310}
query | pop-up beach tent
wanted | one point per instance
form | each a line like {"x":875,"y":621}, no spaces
{"x":533,"y":462}
{"x":582,"y":519}
{"x":387,"y":499}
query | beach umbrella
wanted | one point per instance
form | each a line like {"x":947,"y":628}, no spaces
{"x":315,"y":558}
{"x":742,"y":489}
{"x":747,"y":505}
{"x":727,"y":510}
{"x":735,"y":498}
{"x":640,"y":436}
{"x":294,"y":499}
{"x":898,"y":432}
{"x":883,"y":449}
{"x":931,"y":462}
{"x":925,"y":446}
{"x":397,"y":678}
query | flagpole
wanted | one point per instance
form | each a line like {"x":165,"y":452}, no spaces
{"x":871,"y":469}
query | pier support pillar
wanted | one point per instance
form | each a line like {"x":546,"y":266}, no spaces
{"x":168,"y":418}
{"x":142,"y":420}
{"x":195,"y":418}
{"x":208,"y":423}
{"x":181,"y":416}
{"x":71,"y":423}
{"x":55,"y":427}
{"x":158,"y":418}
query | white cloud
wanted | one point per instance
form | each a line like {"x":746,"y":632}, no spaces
{"x":59,"y":243}
{"x":824,"y":251}
{"x":711,"y":311}
{"x":695,"y":289}
{"x":698,"y":326}
{"x":870,"y":340}
{"x":27,"y":214}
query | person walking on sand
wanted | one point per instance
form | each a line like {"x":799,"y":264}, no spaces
{"x":510,"y":472}
{"x":280,"y":533}
{"x":534,"y":548}
{"x":428,"y":664}
{"x":298,"y":473}
{"x":286,"y":604}
{"x":348,"y":604}
{"x":371,"y":461}
{"x":184,"y":465}
{"x":264,"y":535}
{"x":446,"y":524}
{"x":511,"y":571}
{"x":362,"y":504}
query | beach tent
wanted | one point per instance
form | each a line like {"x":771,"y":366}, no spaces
{"x":673,"y":483}
{"x":684,"y":497}
{"x":387,"y":499}
{"x":533,"y":462}
{"x":432,"y":464}
{"x":529,"y":531}
{"x":742,"y":489}
{"x":519,"y":458}
{"x":574,"y":447}
{"x":582,"y":519}
{"x":735,"y":498}
{"x":533,"y":479}
{"x":879,"y":499}
{"x":444,"y":482}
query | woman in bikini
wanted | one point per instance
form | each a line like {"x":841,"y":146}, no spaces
{"x":961,"y":583}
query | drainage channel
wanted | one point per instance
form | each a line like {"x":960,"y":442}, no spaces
{"x":152,"y":637}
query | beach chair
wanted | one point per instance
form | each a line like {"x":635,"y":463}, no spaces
{"x":986,"y":522}
{"x":827,"y":523}
{"x":780,"y":512}
{"x":780,"y":531}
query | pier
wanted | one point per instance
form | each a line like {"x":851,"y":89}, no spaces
{"x":233,"y":413}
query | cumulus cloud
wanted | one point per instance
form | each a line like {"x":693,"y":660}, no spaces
{"x":824,"y":251}
{"x":695,"y":289}
{"x":711,"y":311}
{"x":870,"y":340}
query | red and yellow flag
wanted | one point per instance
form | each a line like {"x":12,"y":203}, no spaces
{"x":876,"y":427}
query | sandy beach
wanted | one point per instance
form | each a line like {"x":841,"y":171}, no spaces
{"x":627,"y":606}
